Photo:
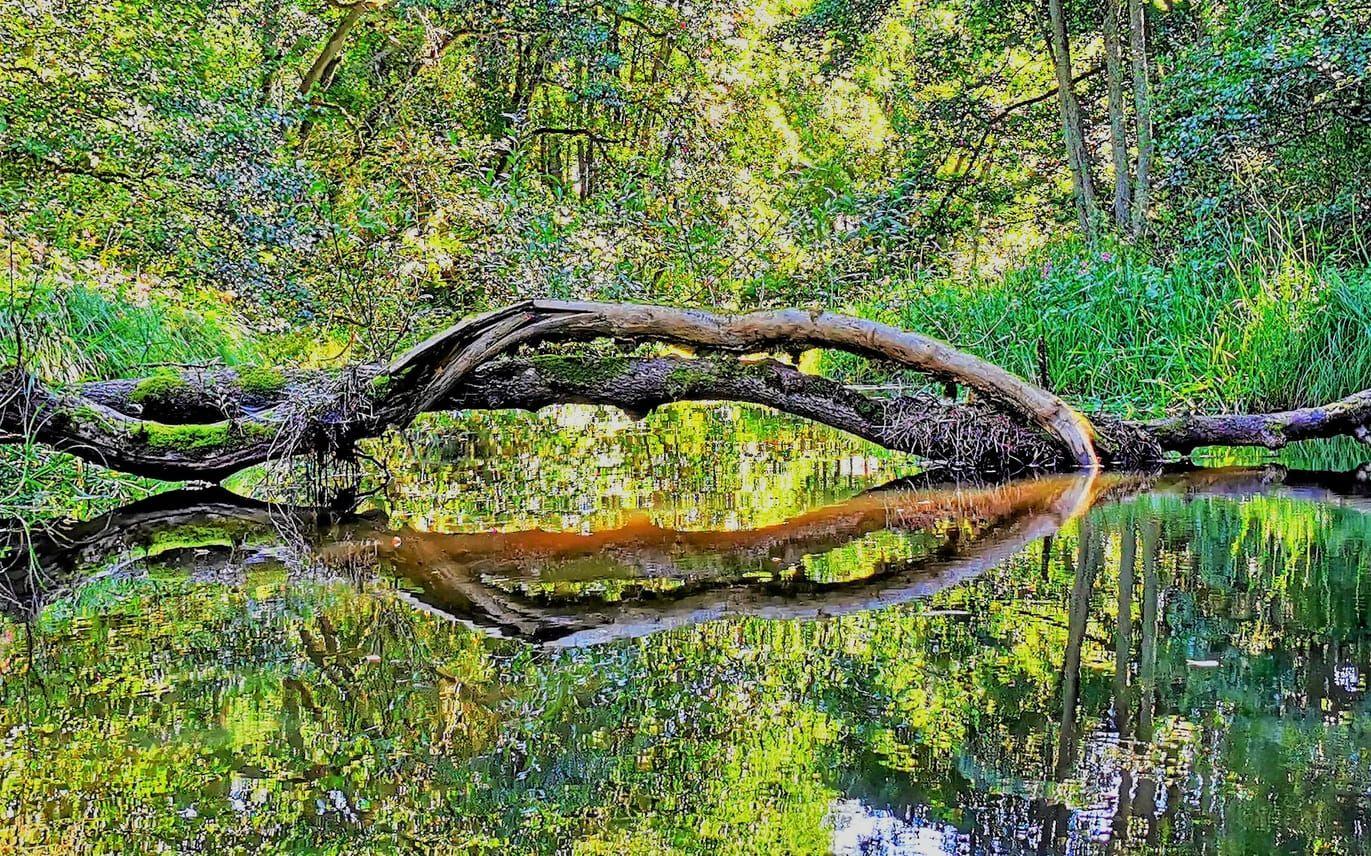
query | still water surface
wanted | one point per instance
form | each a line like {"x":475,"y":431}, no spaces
{"x":720,"y":631}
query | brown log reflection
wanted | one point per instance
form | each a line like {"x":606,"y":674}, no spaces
{"x":576,"y":589}
{"x":545,"y":585}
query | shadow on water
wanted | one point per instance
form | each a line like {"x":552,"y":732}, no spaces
{"x":1126,"y":663}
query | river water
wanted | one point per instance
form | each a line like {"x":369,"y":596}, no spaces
{"x":718,"y":631}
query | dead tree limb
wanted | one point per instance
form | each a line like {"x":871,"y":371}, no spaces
{"x":974,"y":435}
{"x":431,"y":371}
{"x":355,"y":404}
{"x":1346,"y":417}
{"x":209,"y":424}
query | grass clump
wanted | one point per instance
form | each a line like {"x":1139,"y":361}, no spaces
{"x":1252,"y":332}
{"x":77,"y":332}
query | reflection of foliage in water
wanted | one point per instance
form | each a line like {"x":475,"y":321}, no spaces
{"x":692,"y":467}
{"x":313,"y":711}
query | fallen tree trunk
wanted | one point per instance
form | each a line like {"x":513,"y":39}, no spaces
{"x":208,"y":424}
{"x":1346,"y":417}
{"x":432,"y":371}
{"x":974,"y":435}
{"x":169,"y":434}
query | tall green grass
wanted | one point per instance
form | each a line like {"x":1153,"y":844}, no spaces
{"x":77,"y":332}
{"x":1231,"y":332}
{"x":1256,"y":329}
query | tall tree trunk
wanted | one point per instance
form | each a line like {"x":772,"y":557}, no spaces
{"x":1118,"y":139}
{"x":1142,"y":95}
{"x":1072,"y":127}
{"x":333,"y":46}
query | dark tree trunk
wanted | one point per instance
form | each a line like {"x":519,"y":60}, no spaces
{"x":1118,"y":137}
{"x":1073,"y":128}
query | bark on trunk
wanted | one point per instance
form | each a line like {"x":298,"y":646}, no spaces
{"x":969,"y":436}
{"x":333,"y":46}
{"x":1118,"y":137}
{"x":1072,"y":127}
{"x":1142,"y":96}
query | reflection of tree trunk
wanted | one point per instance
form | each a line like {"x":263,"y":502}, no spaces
{"x":1090,"y":554}
{"x":1142,"y":98}
{"x":1147,"y":666}
{"x":1123,"y":658}
{"x":1123,"y":633}
{"x":1145,"y":801}
{"x":1072,"y":126}
{"x":1088,"y":566}
{"x":1118,"y":139}
{"x":1316,"y":678}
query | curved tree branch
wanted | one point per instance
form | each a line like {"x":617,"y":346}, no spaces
{"x":445,"y":359}
{"x":209,"y":424}
{"x":359,"y":403}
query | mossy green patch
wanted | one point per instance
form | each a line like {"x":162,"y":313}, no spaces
{"x":683,"y":378}
{"x":692,"y":373}
{"x":91,"y":416}
{"x":162,"y":388}
{"x":580,"y":370}
{"x":260,"y":380}
{"x":191,"y":438}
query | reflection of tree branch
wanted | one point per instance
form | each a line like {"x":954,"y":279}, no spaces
{"x":889,"y":586}
{"x":478,"y":575}
{"x":492,"y":580}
